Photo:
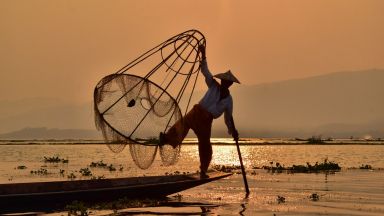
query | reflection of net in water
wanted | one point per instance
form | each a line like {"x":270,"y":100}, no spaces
{"x":133,"y":110}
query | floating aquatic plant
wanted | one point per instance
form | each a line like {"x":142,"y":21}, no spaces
{"x":280,"y":199}
{"x":176,"y":173}
{"x":77,"y":208}
{"x":277,"y":168}
{"x":324,"y":166}
{"x":226,"y":168}
{"x":124,"y":203}
{"x":314,"y":197}
{"x":55,"y":159}
{"x":101,"y":164}
{"x":97,"y":177}
{"x":308,"y":168}
{"x":98,"y":164}
{"x":21,"y":167}
{"x":111,"y":168}
{"x":40,"y":171}
{"x":71,"y":176}
{"x":85,"y":172}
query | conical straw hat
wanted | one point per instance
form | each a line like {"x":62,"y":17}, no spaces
{"x":227,"y":76}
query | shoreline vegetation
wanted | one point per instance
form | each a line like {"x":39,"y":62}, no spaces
{"x":215,"y":141}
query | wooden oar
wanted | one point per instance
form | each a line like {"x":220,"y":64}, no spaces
{"x":242,"y":169}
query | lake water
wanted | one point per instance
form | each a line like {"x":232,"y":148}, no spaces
{"x":358,"y":192}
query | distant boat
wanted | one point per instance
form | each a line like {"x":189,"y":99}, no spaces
{"x":35,"y":196}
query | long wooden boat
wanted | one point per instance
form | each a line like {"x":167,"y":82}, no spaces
{"x":37,"y":195}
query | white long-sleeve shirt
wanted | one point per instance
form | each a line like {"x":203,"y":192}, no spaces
{"x":211,"y":100}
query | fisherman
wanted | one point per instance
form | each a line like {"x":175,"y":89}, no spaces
{"x":216,"y":101}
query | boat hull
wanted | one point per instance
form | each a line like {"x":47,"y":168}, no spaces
{"x":45,"y":195}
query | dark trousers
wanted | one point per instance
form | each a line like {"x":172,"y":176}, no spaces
{"x":200,"y":121}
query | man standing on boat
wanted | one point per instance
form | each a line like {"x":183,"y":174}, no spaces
{"x":216,"y":101}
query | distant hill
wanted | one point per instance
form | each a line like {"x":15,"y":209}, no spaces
{"x":44,"y":112}
{"x":337,"y":104}
{"x":341,"y":104}
{"x":53,"y":133}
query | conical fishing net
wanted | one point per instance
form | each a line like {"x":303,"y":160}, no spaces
{"x":132,"y":110}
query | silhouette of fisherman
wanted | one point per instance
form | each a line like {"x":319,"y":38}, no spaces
{"x":216,"y":101}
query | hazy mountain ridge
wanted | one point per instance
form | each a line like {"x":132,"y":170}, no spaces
{"x":339,"y":104}
{"x":44,"y":112}
{"x":307,"y":106}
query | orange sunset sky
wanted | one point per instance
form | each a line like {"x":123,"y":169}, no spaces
{"x":61,"y":49}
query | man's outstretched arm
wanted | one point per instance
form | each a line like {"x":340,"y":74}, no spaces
{"x":228,"y":118}
{"x":235,"y":133}
{"x":204,"y":67}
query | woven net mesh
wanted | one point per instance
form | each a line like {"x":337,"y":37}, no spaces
{"x":133,"y":109}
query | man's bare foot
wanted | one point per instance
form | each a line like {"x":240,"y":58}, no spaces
{"x":203,"y":175}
